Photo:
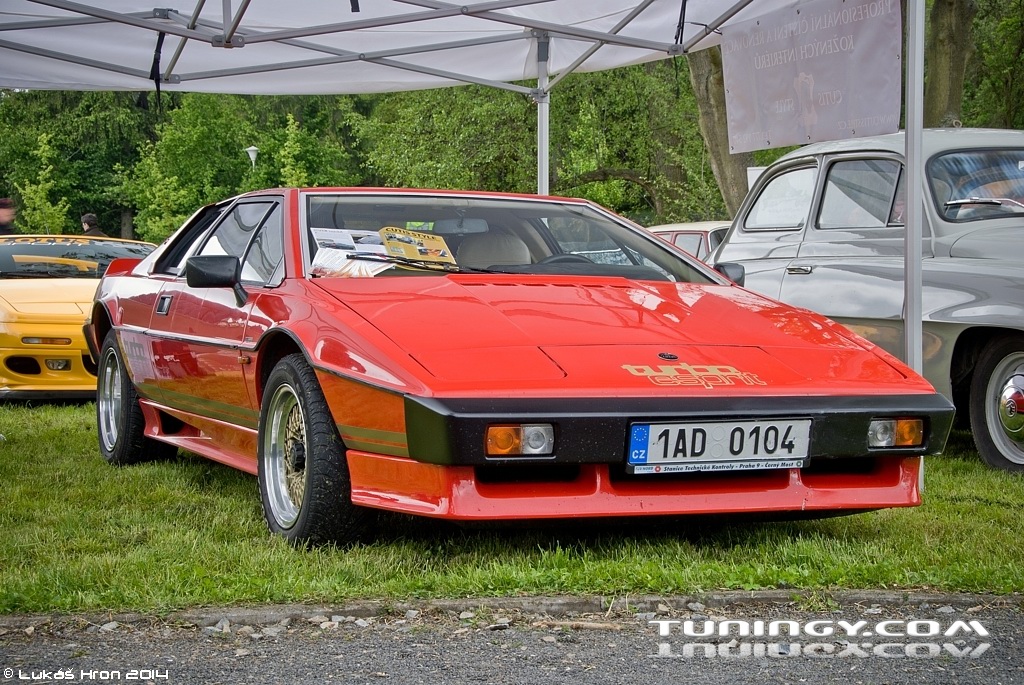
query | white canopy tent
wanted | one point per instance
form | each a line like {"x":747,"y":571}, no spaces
{"x":362,"y":46}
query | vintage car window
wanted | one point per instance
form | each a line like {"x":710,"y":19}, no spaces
{"x":63,"y":256}
{"x":784,"y":202}
{"x":971,"y":185}
{"x":172,"y":261}
{"x":266,"y":253}
{"x":396,"y":235}
{"x":234,"y":233}
{"x":899,"y":203}
{"x":858,"y":193}
{"x":691,"y":242}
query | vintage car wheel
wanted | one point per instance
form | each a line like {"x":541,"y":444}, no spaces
{"x":119,"y":421}
{"x":303,"y":474}
{"x":997,"y":403}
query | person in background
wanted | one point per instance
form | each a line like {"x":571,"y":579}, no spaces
{"x":91,"y":226}
{"x":6,"y":216}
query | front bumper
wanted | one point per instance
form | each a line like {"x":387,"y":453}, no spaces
{"x":23,"y":370}
{"x":459,"y":493}
{"x":442,"y":470}
{"x":595,"y":430}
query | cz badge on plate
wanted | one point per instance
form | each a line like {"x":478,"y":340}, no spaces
{"x":718,"y":445}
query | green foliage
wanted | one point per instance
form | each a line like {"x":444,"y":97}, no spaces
{"x":91,"y":135}
{"x":468,"y":137}
{"x":293,"y":173}
{"x":994,"y":92}
{"x":39,"y":214}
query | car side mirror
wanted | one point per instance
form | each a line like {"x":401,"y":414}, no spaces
{"x":733,"y":271}
{"x":216,"y":271}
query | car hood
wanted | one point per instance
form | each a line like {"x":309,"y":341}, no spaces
{"x":612,"y":335}
{"x":1004,"y":242}
{"x":47,"y":298}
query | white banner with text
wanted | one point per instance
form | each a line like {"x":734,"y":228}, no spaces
{"x":820,"y":70}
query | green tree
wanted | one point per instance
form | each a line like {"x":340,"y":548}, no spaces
{"x":39,"y":213}
{"x":91,"y":134}
{"x":995,"y":84}
{"x":467,"y":137}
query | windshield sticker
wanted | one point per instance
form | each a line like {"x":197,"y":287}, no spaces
{"x":415,"y":245}
{"x":46,"y":240}
{"x":686,"y":374}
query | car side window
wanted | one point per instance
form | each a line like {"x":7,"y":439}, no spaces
{"x":266,"y":253}
{"x":173,"y":259}
{"x":240,"y":228}
{"x":858,"y":193}
{"x":784,"y":202}
{"x":690,"y":242}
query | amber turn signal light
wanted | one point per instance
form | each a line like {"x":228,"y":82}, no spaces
{"x":896,"y":433}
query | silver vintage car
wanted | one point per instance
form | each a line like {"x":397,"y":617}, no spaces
{"x":822,"y":228}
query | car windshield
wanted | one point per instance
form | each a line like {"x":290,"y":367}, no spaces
{"x":406,"y":235}
{"x":61,"y":256}
{"x":971,"y":185}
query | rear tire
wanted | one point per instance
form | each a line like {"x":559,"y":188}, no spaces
{"x":997,"y":403}
{"x":303,"y":474}
{"x":119,"y":421}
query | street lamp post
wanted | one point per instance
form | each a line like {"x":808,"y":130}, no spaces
{"x":252,"y":151}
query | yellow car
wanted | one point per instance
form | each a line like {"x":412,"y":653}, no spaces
{"x":47,"y":283}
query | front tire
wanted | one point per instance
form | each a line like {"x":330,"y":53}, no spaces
{"x":997,"y":403}
{"x":303,"y":474}
{"x":119,"y":421}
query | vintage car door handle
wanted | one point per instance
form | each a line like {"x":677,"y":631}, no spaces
{"x":799,"y":270}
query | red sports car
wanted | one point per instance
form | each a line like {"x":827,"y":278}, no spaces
{"x":478,"y":356}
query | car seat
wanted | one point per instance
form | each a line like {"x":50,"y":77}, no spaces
{"x":494,"y":248}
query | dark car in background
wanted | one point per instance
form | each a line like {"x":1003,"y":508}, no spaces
{"x":823,"y":229}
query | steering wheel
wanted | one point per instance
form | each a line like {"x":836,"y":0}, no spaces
{"x":565,"y":258}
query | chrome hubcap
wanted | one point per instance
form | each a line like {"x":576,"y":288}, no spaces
{"x":108,"y":399}
{"x":1005,"y":407}
{"x":285,"y":449}
{"x":1011,"y":408}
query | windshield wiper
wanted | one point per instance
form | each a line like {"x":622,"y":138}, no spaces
{"x":995,"y":201}
{"x":421,"y":263}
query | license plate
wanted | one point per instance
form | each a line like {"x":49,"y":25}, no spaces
{"x":718,"y":446}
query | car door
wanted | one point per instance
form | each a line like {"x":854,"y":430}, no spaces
{"x":197,"y":334}
{"x":154,"y":349}
{"x":770,"y":225}
{"x":850,"y":264}
{"x":251,"y":231}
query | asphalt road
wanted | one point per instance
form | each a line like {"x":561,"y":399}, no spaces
{"x":865,"y":638}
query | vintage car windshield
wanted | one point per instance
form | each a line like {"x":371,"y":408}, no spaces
{"x":61,"y":256}
{"x":972,"y":185}
{"x":406,"y":235}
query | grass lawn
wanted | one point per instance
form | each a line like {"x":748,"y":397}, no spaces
{"x":79,"y":535}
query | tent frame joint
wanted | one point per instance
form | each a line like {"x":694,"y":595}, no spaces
{"x":237,"y":41}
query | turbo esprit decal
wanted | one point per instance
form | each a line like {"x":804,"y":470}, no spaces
{"x":687,"y":374}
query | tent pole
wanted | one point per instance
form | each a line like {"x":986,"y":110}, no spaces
{"x":541,"y":97}
{"x":913,"y":237}
{"x":913,"y":310}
